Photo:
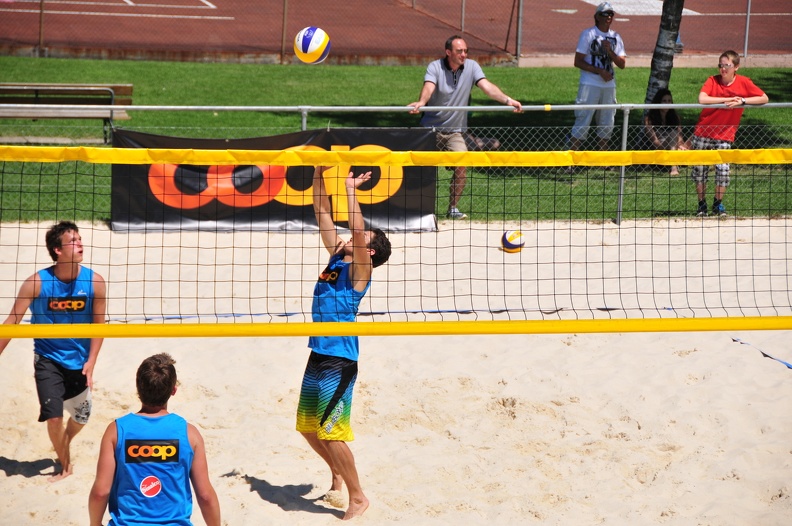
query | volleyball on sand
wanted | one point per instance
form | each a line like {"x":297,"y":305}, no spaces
{"x":512,"y":241}
{"x":311,"y":45}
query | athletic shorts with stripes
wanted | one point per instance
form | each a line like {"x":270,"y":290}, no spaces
{"x":325,"y":406}
{"x":699,"y":174}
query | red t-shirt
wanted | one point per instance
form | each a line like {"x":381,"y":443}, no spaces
{"x":721,"y":123}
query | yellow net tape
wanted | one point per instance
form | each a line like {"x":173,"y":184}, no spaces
{"x":299,"y":156}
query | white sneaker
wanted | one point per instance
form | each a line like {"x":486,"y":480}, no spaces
{"x":454,"y":213}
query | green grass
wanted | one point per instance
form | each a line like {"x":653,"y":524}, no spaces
{"x":202,"y":84}
{"x":35,"y":192}
{"x":513,"y":193}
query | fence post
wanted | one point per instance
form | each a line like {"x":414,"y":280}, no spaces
{"x":519,"y":30}
{"x":283,"y":31}
{"x":39,"y":51}
{"x":625,"y":126}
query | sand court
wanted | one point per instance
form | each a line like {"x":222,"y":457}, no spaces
{"x":649,"y":428}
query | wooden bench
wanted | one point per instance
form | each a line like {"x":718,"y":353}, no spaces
{"x":31,"y":94}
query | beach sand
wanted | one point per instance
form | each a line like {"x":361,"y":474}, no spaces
{"x":569,"y":429}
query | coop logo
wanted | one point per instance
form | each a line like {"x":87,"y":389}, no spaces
{"x":329,"y":276}
{"x":66,"y":304}
{"x":159,"y":451}
{"x":187,"y":187}
{"x":150,"y":486}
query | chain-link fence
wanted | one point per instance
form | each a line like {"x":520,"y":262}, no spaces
{"x":617,"y":192}
{"x":366,"y":32}
{"x":539,"y":192}
{"x":401,"y":31}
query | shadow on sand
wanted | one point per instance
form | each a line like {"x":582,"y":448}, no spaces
{"x":27,"y":468}
{"x":289,"y":497}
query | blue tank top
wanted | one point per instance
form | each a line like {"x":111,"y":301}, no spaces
{"x":152,"y":479}
{"x":335,"y":299}
{"x":67,"y":303}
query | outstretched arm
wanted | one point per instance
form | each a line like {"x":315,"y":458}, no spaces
{"x":361,"y":267}
{"x":494,"y":92}
{"x":321,"y":204}
{"x":426,"y":93}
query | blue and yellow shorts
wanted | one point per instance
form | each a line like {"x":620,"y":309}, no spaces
{"x":325,"y":406}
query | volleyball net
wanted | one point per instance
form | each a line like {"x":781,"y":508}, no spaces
{"x":605,"y":250}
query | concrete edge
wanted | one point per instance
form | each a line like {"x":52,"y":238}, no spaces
{"x":681,"y":60}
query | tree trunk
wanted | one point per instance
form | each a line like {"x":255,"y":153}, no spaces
{"x":663,"y":56}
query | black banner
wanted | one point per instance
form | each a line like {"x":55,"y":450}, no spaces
{"x":265,"y":197}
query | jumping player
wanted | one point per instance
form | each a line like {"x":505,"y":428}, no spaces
{"x":323,"y":414}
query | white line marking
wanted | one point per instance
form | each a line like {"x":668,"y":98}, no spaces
{"x":625,"y":8}
{"x":129,"y":3}
{"x":131,"y":15}
{"x":637,"y":7}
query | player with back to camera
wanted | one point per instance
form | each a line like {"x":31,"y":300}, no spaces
{"x":65,"y":293}
{"x":148,"y":459}
{"x":325,"y":406}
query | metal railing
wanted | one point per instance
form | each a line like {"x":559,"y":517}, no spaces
{"x":630,"y":191}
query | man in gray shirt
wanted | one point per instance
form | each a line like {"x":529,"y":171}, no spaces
{"x":448,"y":82}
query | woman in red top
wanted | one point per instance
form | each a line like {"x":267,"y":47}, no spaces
{"x":717,"y":127}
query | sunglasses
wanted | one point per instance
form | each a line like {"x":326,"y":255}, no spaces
{"x":607,"y":14}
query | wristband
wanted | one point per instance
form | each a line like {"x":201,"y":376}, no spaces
{"x":743,"y":101}
{"x":508,"y":100}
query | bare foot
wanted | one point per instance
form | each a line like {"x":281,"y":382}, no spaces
{"x":62,"y":474}
{"x":356,"y":508}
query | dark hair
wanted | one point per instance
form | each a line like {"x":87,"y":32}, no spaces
{"x":672,"y":119}
{"x":156,"y":379}
{"x":450,"y":42}
{"x":53,"y":237}
{"x":381,"y":246}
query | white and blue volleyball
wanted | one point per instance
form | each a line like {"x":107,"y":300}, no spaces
{"x":312,"y":45}
{"x":512,"y":241}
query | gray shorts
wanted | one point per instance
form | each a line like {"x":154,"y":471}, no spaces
{"x":60,"y":388}
{"x":699,"y":174}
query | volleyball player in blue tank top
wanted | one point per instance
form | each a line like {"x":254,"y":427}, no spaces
{"x":64,"y":293}
{"x":324,"y":410}
{"x":148,"y":459}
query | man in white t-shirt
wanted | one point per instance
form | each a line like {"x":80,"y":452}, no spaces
{"x":599,"y":48}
